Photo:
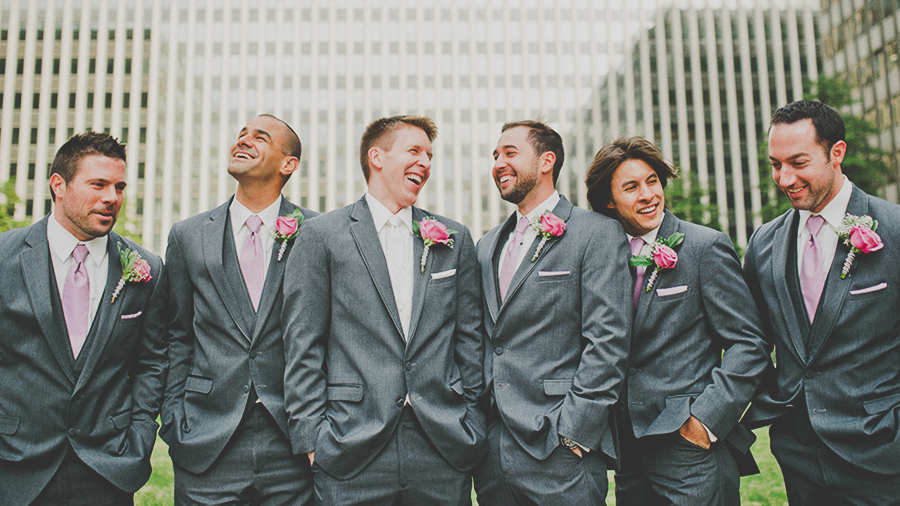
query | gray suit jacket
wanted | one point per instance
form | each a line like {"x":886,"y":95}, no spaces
{"x":849,"y":373}
{"x":107,"y":413}
{"x":558,"y":344}
{"x":218,"y":348}
{"x":348,"y":369}
{"x":698,"y":346}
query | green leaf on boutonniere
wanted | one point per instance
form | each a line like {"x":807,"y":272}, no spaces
{"x":674,"y":239}
{"x":640,"y":260}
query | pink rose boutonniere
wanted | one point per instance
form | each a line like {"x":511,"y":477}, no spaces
{"x":858,"y":233}
{"x":432,"y":232}
{"x":134,"y":269}
{"x":286,"y":228}
{"x":661,"y":256}
{"x":550,"y":228}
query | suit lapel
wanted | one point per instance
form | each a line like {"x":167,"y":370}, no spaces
{"x":36,"y":270}
{"x":274,"y":276}
{"x":782,"y":242}
{"x":362,"y":228}
{"x":108,"y":314}
{"x":836,"y":289}
{"x":420,"y":279}
{"x":214,"y":234}
{"x":668,"y":227}
{"x":490,"y":275}
{"x":563,"y":210}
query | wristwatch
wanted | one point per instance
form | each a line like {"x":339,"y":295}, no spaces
{"x":568,"y":443}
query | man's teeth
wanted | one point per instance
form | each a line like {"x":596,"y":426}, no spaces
{"x":414,"y":178}
{"x":795,"y":191}
{"x":243,"y":156}
{"x":648,"y":210}
{"x":505,"y":178}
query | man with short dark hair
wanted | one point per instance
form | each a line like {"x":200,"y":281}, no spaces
{"x":826,"y":280}
{"x":223,"y":415}
{"x":82,"y":314}
{"x":383,"y":337}
{"x":697,"y":349}
{"x":556,"y":288}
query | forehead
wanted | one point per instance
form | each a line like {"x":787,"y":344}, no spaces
{"x":633,"y":169}
{"x":100,"y":167}
{"x":516,"y":137}
{"x":409,"y":135}
{"x":265,"y":124}
{"x":792,"y":137}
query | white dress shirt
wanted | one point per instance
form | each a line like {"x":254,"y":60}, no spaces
{"x":833,"y":213}
{"x":239,"y":214}
{"x":394,"y":248}
{"x":530,"y":233}
{"x":62,"y":244}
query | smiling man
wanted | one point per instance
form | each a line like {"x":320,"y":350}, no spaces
{"x":697,"y":350}
{"x":833,"y":318}
{"x":383,"y":337}
{"x":79,"y":358}
{"x":223,"y":415}
{"x":558,"y":321}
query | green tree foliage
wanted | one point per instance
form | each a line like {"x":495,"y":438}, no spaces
{"x":8,"y":207}
{"x":691,"y":203}
{"x":864,"y":164}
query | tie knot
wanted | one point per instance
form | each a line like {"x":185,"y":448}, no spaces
{"x":253,"y":223}
{"x":80,"y":253}
{"x":523,"y":224}
{"x":637,"y":244}
{"x":815,"y":224}
{"x":395,"y":221}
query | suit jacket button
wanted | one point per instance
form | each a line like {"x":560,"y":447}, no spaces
{"x":498,"y":351}
{"x":73,"y":432}
{"x":632,"y":371}
{"x":409,"y":366}
{"x":246,"y":388}
{"x":401,"y":402}
{"x":253,"y":354}
{"x":809,"y":374}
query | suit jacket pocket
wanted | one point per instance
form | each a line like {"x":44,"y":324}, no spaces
{"x":345,"y":392}
{"x":557,"y":387}
{"x":122,"y":420}
{"x":8,"y":425}
{"x":550,"y":276}
{"x":882,"y":404}
{"x":198,"y":384}
{"x":868,"y":291}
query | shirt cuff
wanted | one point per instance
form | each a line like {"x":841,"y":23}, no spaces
{"x":712,"y":437}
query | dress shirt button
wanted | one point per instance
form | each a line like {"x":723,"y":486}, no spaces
{"x":498,"y":351}
{"x":401,"y":402}
{"x":409,"y":366}
{"x":632,"y":371}
{"x":246,"y":388}
{"x":809,"y":374}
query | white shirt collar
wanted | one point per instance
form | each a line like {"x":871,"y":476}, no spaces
{"x":240,"y":213}
{"x":834,"y":211}
{"x":547,"y":205}
{"x":62,"y":242}
{"x":650,"y":236}
{"x":381,"y":214}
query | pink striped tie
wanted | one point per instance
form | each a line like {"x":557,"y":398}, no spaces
{"x":252,"y":261}
{"x":636,"y":245}
{"x":812,"y":278}
{"x":76,"y":300}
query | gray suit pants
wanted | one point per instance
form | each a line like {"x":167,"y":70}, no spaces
{"x":76,"y":484}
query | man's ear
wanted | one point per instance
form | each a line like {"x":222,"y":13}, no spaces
{"x":838,"y":151}
{"x":291,"y":163}
{"x":548,"y":160}
{"x":58,"y":185}
{"x":375,"y":161}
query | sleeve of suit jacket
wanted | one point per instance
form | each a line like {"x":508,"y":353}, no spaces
{"x":734,"y":323}
{"x":469,"y":334}
{"x":180,"y":330}
{"x":306,"y":317}
{"x":605,"y":332}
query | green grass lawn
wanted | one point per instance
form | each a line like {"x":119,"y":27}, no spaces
{"x":766,"y":488}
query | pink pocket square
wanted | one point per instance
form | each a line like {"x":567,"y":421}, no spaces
{"x":130,"y":316}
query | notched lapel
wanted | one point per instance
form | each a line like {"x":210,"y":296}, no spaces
{"x":275,"y":275}
{"x":362,"y":228}
{"x":420,"y":280}
{"x":213,"y":235}
{"x":645,"y":299}
{"x":836,"y":289}
{"x":781,"y":246}
{"x":489,"y":274}
{"x":37,"y":271}
{"x":108,"y":313}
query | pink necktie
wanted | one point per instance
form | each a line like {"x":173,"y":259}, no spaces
{"x":76,"y":300}
{"x":636,"y":245}
{"x":509,"y":261}
{"x":252,"y":261}
{"x":812,"y":278}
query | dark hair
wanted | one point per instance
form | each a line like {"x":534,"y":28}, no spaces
{"x":379,"y":131}
{"x":294,"y":147}
{"x":610,"y":157}
{"x":542,"y":139}
{"x":828,"y":123}
{"x":79,"y":146}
